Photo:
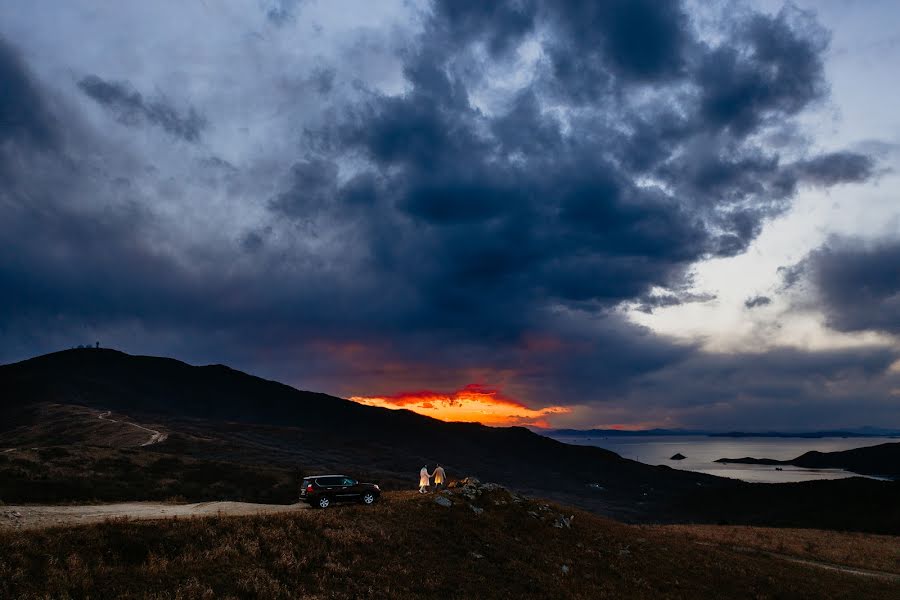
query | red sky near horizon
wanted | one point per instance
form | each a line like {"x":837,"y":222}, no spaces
{"x":473,"y":403}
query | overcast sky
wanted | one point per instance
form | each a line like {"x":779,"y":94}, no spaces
{"x":618,"y":212}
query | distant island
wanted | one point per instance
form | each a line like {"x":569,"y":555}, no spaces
{"x":882,"y":460}
{"x":855,"y":432}
{"x":863,"y":432}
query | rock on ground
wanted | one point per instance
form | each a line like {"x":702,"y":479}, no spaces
{"x":445,"y":502}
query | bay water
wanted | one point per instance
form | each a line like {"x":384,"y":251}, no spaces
{"x":701,"y":452}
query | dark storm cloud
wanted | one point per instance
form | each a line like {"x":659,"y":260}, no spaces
{"x":651,"y":302}
{"x":423,"y":236}
{"x":501,"y":24}
{"x":323,"y":79}
{"x":131,"y":109}
{"x":24,"y":115}
{"x":781,"y":388}
{"x":791,"y":275}
{"x":835,"y":168}
{"x":856,"y":283}
{"x":253,"y":241}
{"x":76,"y":258}
{"x":643,"y":40}
{"x":757,"y":301}
{"x":548,"y":215}
{"x":313,"y":185}
{"x":774,"y":70}
{"x":491,"y":218}
{"x":281,"y":12}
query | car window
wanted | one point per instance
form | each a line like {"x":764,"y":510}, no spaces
{"x":329,"y":481}
{"x":348,"y":481}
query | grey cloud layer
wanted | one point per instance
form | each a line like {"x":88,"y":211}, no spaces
{"x":130,"y":108}
{"x":24,"y":116}
{"x":778,"y":389}
{"x":427,"y":235}
{"x":757,"y":301}
{"x":855,"y":282}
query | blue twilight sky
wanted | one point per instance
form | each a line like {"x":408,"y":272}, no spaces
{"x":646,"y":213}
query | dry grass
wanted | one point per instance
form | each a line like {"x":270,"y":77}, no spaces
{"x":66,"y":474}
{"x":865,"y":551}
{"x":404,"y":547}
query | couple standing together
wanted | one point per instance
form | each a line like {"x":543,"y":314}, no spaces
{"x":425,"y":476}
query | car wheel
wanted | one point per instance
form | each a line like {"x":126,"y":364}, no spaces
{"x":368,"y":498}
{"x":324,"y":502}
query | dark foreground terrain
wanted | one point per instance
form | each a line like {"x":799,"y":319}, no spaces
{"x":101,"y":425}
{"x":487,"y":544}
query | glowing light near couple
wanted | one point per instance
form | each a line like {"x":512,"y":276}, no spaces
{"x":473,"y":403}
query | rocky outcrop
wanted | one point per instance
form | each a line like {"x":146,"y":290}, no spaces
{"x":14,"y":518}
{"x":480,"y":497}
{"x":563,"y":521}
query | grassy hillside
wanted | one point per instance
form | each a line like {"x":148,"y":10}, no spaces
{"x":860,"y":550}
{"x":408,"y":546}
{"x":76,"y":473}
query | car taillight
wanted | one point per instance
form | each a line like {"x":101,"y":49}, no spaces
{"x":309,"y":488}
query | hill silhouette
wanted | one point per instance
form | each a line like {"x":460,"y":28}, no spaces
{"x":882,"y":460}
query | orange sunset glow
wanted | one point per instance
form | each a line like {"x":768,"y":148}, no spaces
{"x":472,"y":403}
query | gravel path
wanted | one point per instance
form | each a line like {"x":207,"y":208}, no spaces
{"x":32,"y":517}
{"x":155,"y":436}
{"x":809,"y":562}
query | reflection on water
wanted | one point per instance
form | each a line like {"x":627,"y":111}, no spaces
{"x":702,"y":451}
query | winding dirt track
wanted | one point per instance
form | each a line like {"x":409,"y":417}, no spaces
{"x":155,"y":436}
{"x":810,"y":562}
{"x":834,"y":567}
{"x":34,"y":517}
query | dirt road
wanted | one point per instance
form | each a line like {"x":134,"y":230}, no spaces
{"x":809,"y":562}
{"x":31,"y":517}
{"x":155,"y":436}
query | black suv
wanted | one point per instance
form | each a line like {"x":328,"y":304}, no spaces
{"x":325,"y":490}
